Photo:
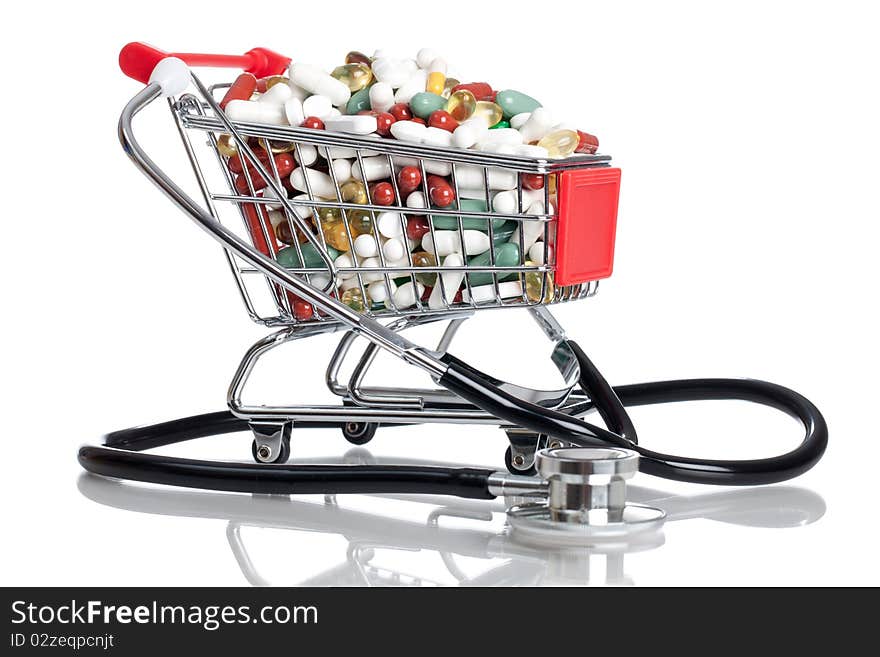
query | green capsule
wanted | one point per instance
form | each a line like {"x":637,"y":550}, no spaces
{"x":504,"y":232}
{"x":515,"y":102}
{"x":359,"y":101}
{"x":501,"y":124}
{"x":289,"y":258}
{"x":506,"y":255}
{"x":449,"y":222}
{"x":423,"y":104}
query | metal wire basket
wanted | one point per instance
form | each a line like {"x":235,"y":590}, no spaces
{"x":549,"y":244}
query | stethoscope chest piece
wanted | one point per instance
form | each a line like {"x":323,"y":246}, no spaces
{"x":586,"y":499}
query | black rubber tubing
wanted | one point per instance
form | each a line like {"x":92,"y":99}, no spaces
{"x":475,"y":387}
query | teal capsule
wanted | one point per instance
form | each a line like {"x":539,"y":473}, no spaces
{"x":289,"y":258}
{"x":506,"y":255}
{"x":515,"y":102}
{"x":501,"y":124}
{"x":504,"y":232}
{"x":424,"y":103}
{"x":449,"y":222}
{"x":359,"y":101}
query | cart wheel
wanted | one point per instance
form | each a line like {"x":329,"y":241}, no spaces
{"x":282,"y":456}
{"x":359,"y":433}
{"x":512,"y":469}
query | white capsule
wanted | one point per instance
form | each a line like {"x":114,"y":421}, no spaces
{"x":518,"y":120}
{"x":277,"y":94}
{"x":451,"y":282}
{"x":276,"y":217}
{"x":319,"y":106}
{"x":483,"y":293}
{"x":268,"y":193}
{"x":374,"y":168}
{"x":496,"y":147}
{"x":381,"y":97}
{"x":533,"y":150}
{"x":378,"y":290}
{"x":507,"y":202}
{"x":531,"y":230}
{"x":313,"y":79}
{"x":337,"y":152}
{"x":536,"y":253}
{"x":293,"y":110}
{"x":471,"y":176}
{"x":342,"y":171}
{"x":438,"y":65}
{"x":503,"y":136}
{"x":406,"y":295}
{"x":252,"y":111}
{"x":539,"y":124}
{"x":344,"y":261}
{"x":408,"y":131}
{"x":333,"y":113}
{"x":352,"y":124}
{"x":365,"y":246}
{"x":416,"y":200}
{"x":415,"y":84}
{"x":393,"y":72}
{"x":370,"y":277}
{"x":437,"y":137}
{"x":464,"y":136}
{"x":302,"y":211}
{"x":320,"y":183}
{"x":425,"y":57}
{"x":431,"y":166}
{"x":389,"y":224}
{"x":448,"y":241}
{"x":393,"y":249}
{"x":349,"y":283}
{"x":306,"y":155}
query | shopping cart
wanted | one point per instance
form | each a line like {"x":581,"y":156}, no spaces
{"x":243,"y":173}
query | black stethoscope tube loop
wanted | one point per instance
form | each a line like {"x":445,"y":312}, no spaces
{"x":475,"y":387}
{"x":121,"y":455}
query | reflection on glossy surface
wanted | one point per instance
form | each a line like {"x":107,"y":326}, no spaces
{"x":509,"y":563}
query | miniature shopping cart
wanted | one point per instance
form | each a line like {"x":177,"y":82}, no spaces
{"x":247,"y":210}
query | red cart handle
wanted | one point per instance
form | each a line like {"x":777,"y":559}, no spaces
{"x":137,"y":61}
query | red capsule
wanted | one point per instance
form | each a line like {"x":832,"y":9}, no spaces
{"x":257,"y":219}
{"x":234,"y":162}
{"x":480,"y":90}
{"x":384,"y":120}
{"x":443,"y":120}
{"x":441,"y":192}
{"x":312,"y":122}
{"x":409,"y":179}
{"x":416,"y":227}
{"x":302,"y":309}
{"x":284,"y":162}
{"x":587,"y":143}
{"x":532,"y":180}
{"x":400,"y":112}
{"x":242,"y":89}
{"x":382,"y":193}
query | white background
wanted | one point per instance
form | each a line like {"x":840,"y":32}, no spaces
{"x":747,"y":243}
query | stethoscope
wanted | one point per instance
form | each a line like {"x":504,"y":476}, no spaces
{"x":450,"y":529}
{"x":579,"y":494}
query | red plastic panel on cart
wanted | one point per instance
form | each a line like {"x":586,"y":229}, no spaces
{"x":587,"y":224}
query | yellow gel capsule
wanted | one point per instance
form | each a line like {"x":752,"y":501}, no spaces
{"x":281,"y":146}
{"x":436,"y":83}
{"x":336,"y":236}
{"x":353,"y":191}
{"x":354,"y":299}
{"x":461,"y":105}
{"x":356,"y":76}
{"x":227,"y":145}
{"x":272,"y":80}
{"x":329,"y":216}
{"x":425,"y":259}
{"x":534,"y":282}
{"x":448,"y":86}
{"x":489,"y":111}
{"x":360,"y":222}
{"x":560,"y":143}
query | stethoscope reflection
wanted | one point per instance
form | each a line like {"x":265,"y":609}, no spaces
{"x":368,"y":534}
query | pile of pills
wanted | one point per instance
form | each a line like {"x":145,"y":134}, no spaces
{"x":411,"y":100}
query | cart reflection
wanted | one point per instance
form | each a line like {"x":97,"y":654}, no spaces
{"x":468,"y":534}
